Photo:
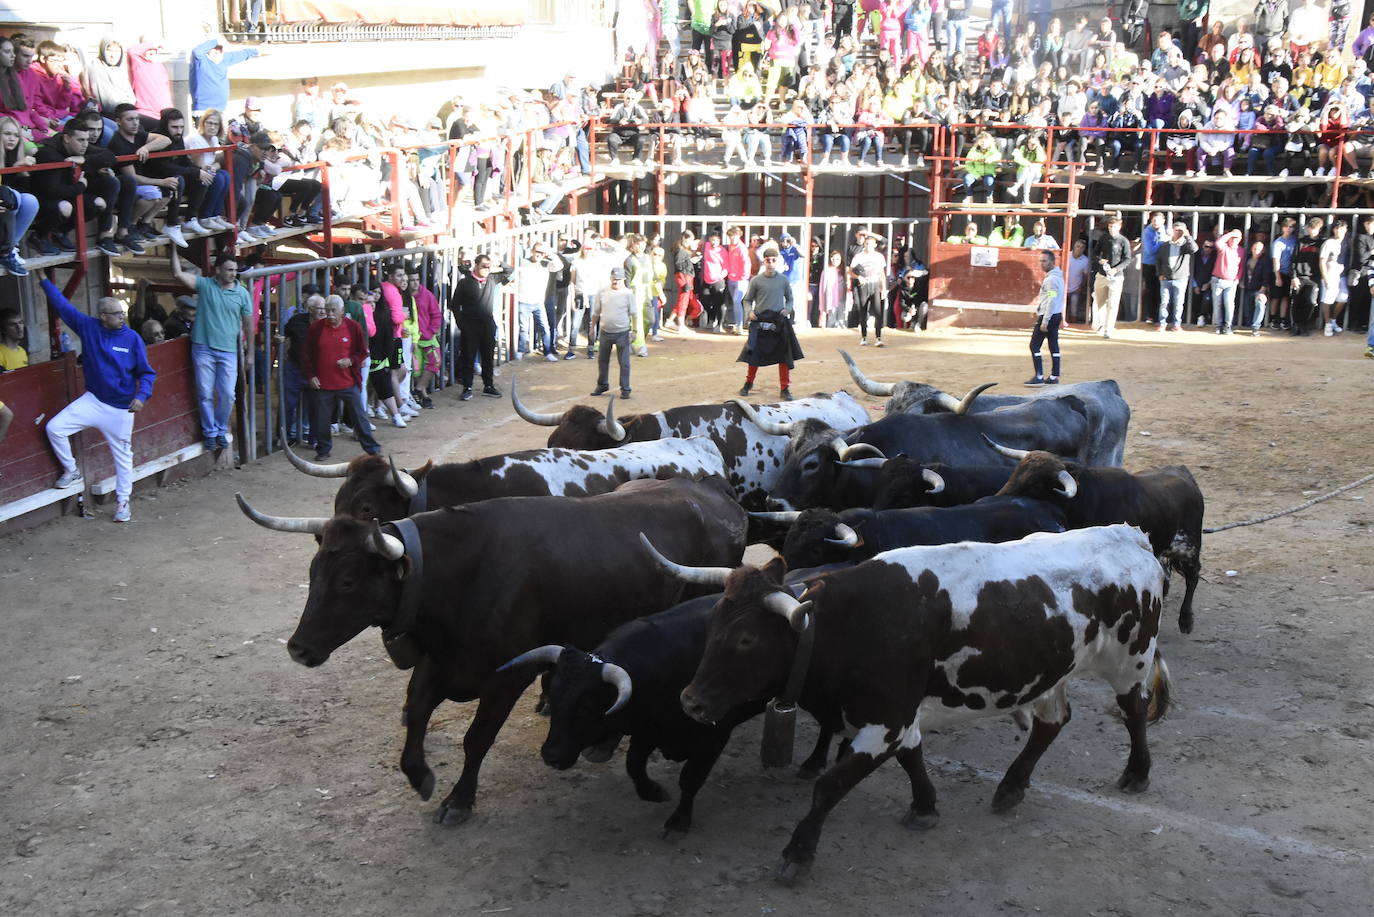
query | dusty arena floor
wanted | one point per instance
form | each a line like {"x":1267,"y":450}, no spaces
{"x":161,"y":754}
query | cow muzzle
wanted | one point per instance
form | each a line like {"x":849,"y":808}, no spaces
{"x":696,"y":708}
{"x":306,"y":656}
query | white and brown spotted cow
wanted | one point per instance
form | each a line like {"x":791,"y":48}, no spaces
{"x":918,"y":637}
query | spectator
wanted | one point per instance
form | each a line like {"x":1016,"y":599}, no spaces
{"x":429,"y":322}
{"x":1009,"y":234}
{"x":1225,"y":278}
{"x":51,"y":92}
{"x":150,"y":190}
{"x":1040,"y":239}
{"x":14,"y":352}
{"x":332,"y":358}
{"x":182,"y":319}
{"x":980,"y":167}
{"x":119,"y":381}
{"x":1335,"y":270}
{"x":771,"y":339}
{"x":1049,"y":315}
{"x":612,"y":316}
{"x":685,"y":265}
{"x":105,"y":79}
{"x":1173,"y":267}
{"x":625,"y":121}
{"x":150,"y":80}
{"x":1080,"y":269}
{"x":14,"y":102}
{"x":474,"y":303}
{"x":210,"y":65}
{"x":193,"y":181}
{"x":1259,"y":278}
{"x":18,"y":207}
{"x":297,"y":419}
{"x":399,"y":301}
{"x":531,"y":283}
{"x":56,"y":191}
{"x":210,"y":133}
{"x":1111,"y":257}
{"x":793,"y":267}
{"x":218,"y":338}
{"x":868,"y":271}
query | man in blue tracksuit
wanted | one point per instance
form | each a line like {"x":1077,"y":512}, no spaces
{"x":119,"y":381}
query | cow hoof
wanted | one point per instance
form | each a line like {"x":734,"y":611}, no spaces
{"x":652,"y":792}
{"x":1130,"y":783}
{"x":1185,"y":624}
{"x":426,"y":787}
{"x":790,"y":872}
{"x":676,"y":827}
{"x":1007,"y":798}
{"x":541,"y":706}
{"x":809,"y":771}
{"x":452,"y":816}
{"x":920,"y":821}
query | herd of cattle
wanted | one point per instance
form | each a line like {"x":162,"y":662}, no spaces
{"x":955,"y":558}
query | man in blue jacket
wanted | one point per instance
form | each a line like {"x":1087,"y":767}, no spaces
{"x":210,"y":65}
{"x":119,"y":381}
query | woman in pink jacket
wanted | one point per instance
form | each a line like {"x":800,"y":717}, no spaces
{"x":1225,"y":278}
{"x":713,"y":279}
{"x":784,"y":47}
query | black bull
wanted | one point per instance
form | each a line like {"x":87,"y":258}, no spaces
{"x":812,"y":473}
{"x":499,"y":578}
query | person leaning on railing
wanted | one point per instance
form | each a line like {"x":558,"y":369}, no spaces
{"x":209,"y":133}
{"x":57,"y":191}
{"x":18,"y":207}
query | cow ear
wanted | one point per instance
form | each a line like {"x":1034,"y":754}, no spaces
{"x":403,"y":568}
{"x":775,"y":569}
{"x":419,"y":473}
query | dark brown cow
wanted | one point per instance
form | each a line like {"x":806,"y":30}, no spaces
{"x":492,"y":580}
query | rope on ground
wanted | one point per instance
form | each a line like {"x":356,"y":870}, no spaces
{"x":1301,"y":506}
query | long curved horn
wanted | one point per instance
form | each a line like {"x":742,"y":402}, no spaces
{"x":705,"y":576}
{"x":784,"y":604}
{"x":847,"y":452}
{"x":546,"y":656}
{"x":315,"y":469}
{"x":308,"y":525}
{"x":884,"y":389}
{"x":865,"y":463}
{"x":613,"y":674}
{"x":973,"y":394}
{"x":1069,"y":485}
{"x":937,"y":483}
{"x":609,"y":426}
{"x":767,"y":426}
{"x":379,"y":542}
{"x":787,"y":518}
{"x":1017,"y":454}
{"x":543,"y":420}
{"x":402,"y":481}
{"x":845,"y":537}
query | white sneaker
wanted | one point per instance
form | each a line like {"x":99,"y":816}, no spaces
{"x":657,"y":338}
{"x":194,"y":226}
{"x":247,"y":238}
{"x":68,"y":478}
{"x":642,"y":352}
{"x":1307,"y":173}
{"x":343,"y":428}
{"x":397,"y":420}
{"x":1327,"y":329}
{"x":262,"y":232}
{"x":334,"y":429}
{"x":1335,"y":326}
{"x":1283,"y":173}
{"x":174,"y":233}
{"x":122,"y":512}
{"x":408,"y":412}
{"x":1227,"y":173}
{"x":215,"y":224}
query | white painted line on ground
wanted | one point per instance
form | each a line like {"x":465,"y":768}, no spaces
{"x":1247,"y":836}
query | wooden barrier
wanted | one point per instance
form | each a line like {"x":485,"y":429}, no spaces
{"x":166,"y":431}
{"x":968,"y":294}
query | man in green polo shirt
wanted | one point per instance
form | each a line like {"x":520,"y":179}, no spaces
{"x":223,"y":324}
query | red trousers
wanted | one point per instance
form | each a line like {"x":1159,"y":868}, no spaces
{"x":784,"y":375}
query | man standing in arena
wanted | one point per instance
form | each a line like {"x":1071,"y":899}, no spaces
{"x":1306,"y":276}
{"x":1111,"y":256}
{"x":224,"y":324}
{"x":119,"y":381}
{"x":1049,"y":314}
{"x":473,"y":303}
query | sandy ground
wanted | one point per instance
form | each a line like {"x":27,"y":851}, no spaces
{"x":163,"y":755}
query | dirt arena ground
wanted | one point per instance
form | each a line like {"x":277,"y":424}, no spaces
{"x":161,"y":754}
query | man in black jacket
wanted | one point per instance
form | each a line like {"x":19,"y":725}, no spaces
{"x":474,"y":302}
{"x":1173,"y":264}
{"x":57,"y":192}
{"x":1111,"y":254}
{"x":1361,"y":279}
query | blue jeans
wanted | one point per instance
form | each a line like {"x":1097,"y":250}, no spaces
{"x":584,"y":160}
{"x":1000,"y":18}
{"x":1270,"y":154}
{"x":20,"y":219}
{"x":255,"y":8}
{"x":526,"y":311}
{"x":735,"y":290}
{"x":216,"y":371}
{"x":840,"y":140}
{"x":1223,"y":302}
{"x":955,"y":35}
{"x":296,"y":421}
{"x":215,"y":196}
{"x":1172,"y":295}
{"x":972,"y":181}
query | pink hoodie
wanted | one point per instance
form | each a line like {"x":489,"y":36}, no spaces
{"x":736,"y":262}
{"x":392,"y":297}
{"x":713,"y":262}
{"x":152,"y":86}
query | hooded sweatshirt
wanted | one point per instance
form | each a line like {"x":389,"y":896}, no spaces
{"x":109,"y":83}
{"x":152,"y":86}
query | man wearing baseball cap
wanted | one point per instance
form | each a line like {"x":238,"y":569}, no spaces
{"x":612,"y":313}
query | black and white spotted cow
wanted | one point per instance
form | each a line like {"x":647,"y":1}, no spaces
{"x":753,"y":457}
{"x":920,"y":637}
{"x":375,"y":489}
{"x":1165,"y":502}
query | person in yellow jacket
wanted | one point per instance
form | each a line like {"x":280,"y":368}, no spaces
{"x":981,"y":165}
{"x":639,"y":274}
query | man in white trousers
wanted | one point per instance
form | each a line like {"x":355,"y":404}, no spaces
{"x":119,"y":381}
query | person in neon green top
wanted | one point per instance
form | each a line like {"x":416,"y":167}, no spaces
{"x":639,"y":272}
{"x":1029,"y":157}
{"x":1009,"y":234}
{"x":970,"y":236}
{"x":981,"y":165}
{"x":660,"y":276}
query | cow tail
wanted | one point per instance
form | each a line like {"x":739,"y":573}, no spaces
{"x":1161,"y":691}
